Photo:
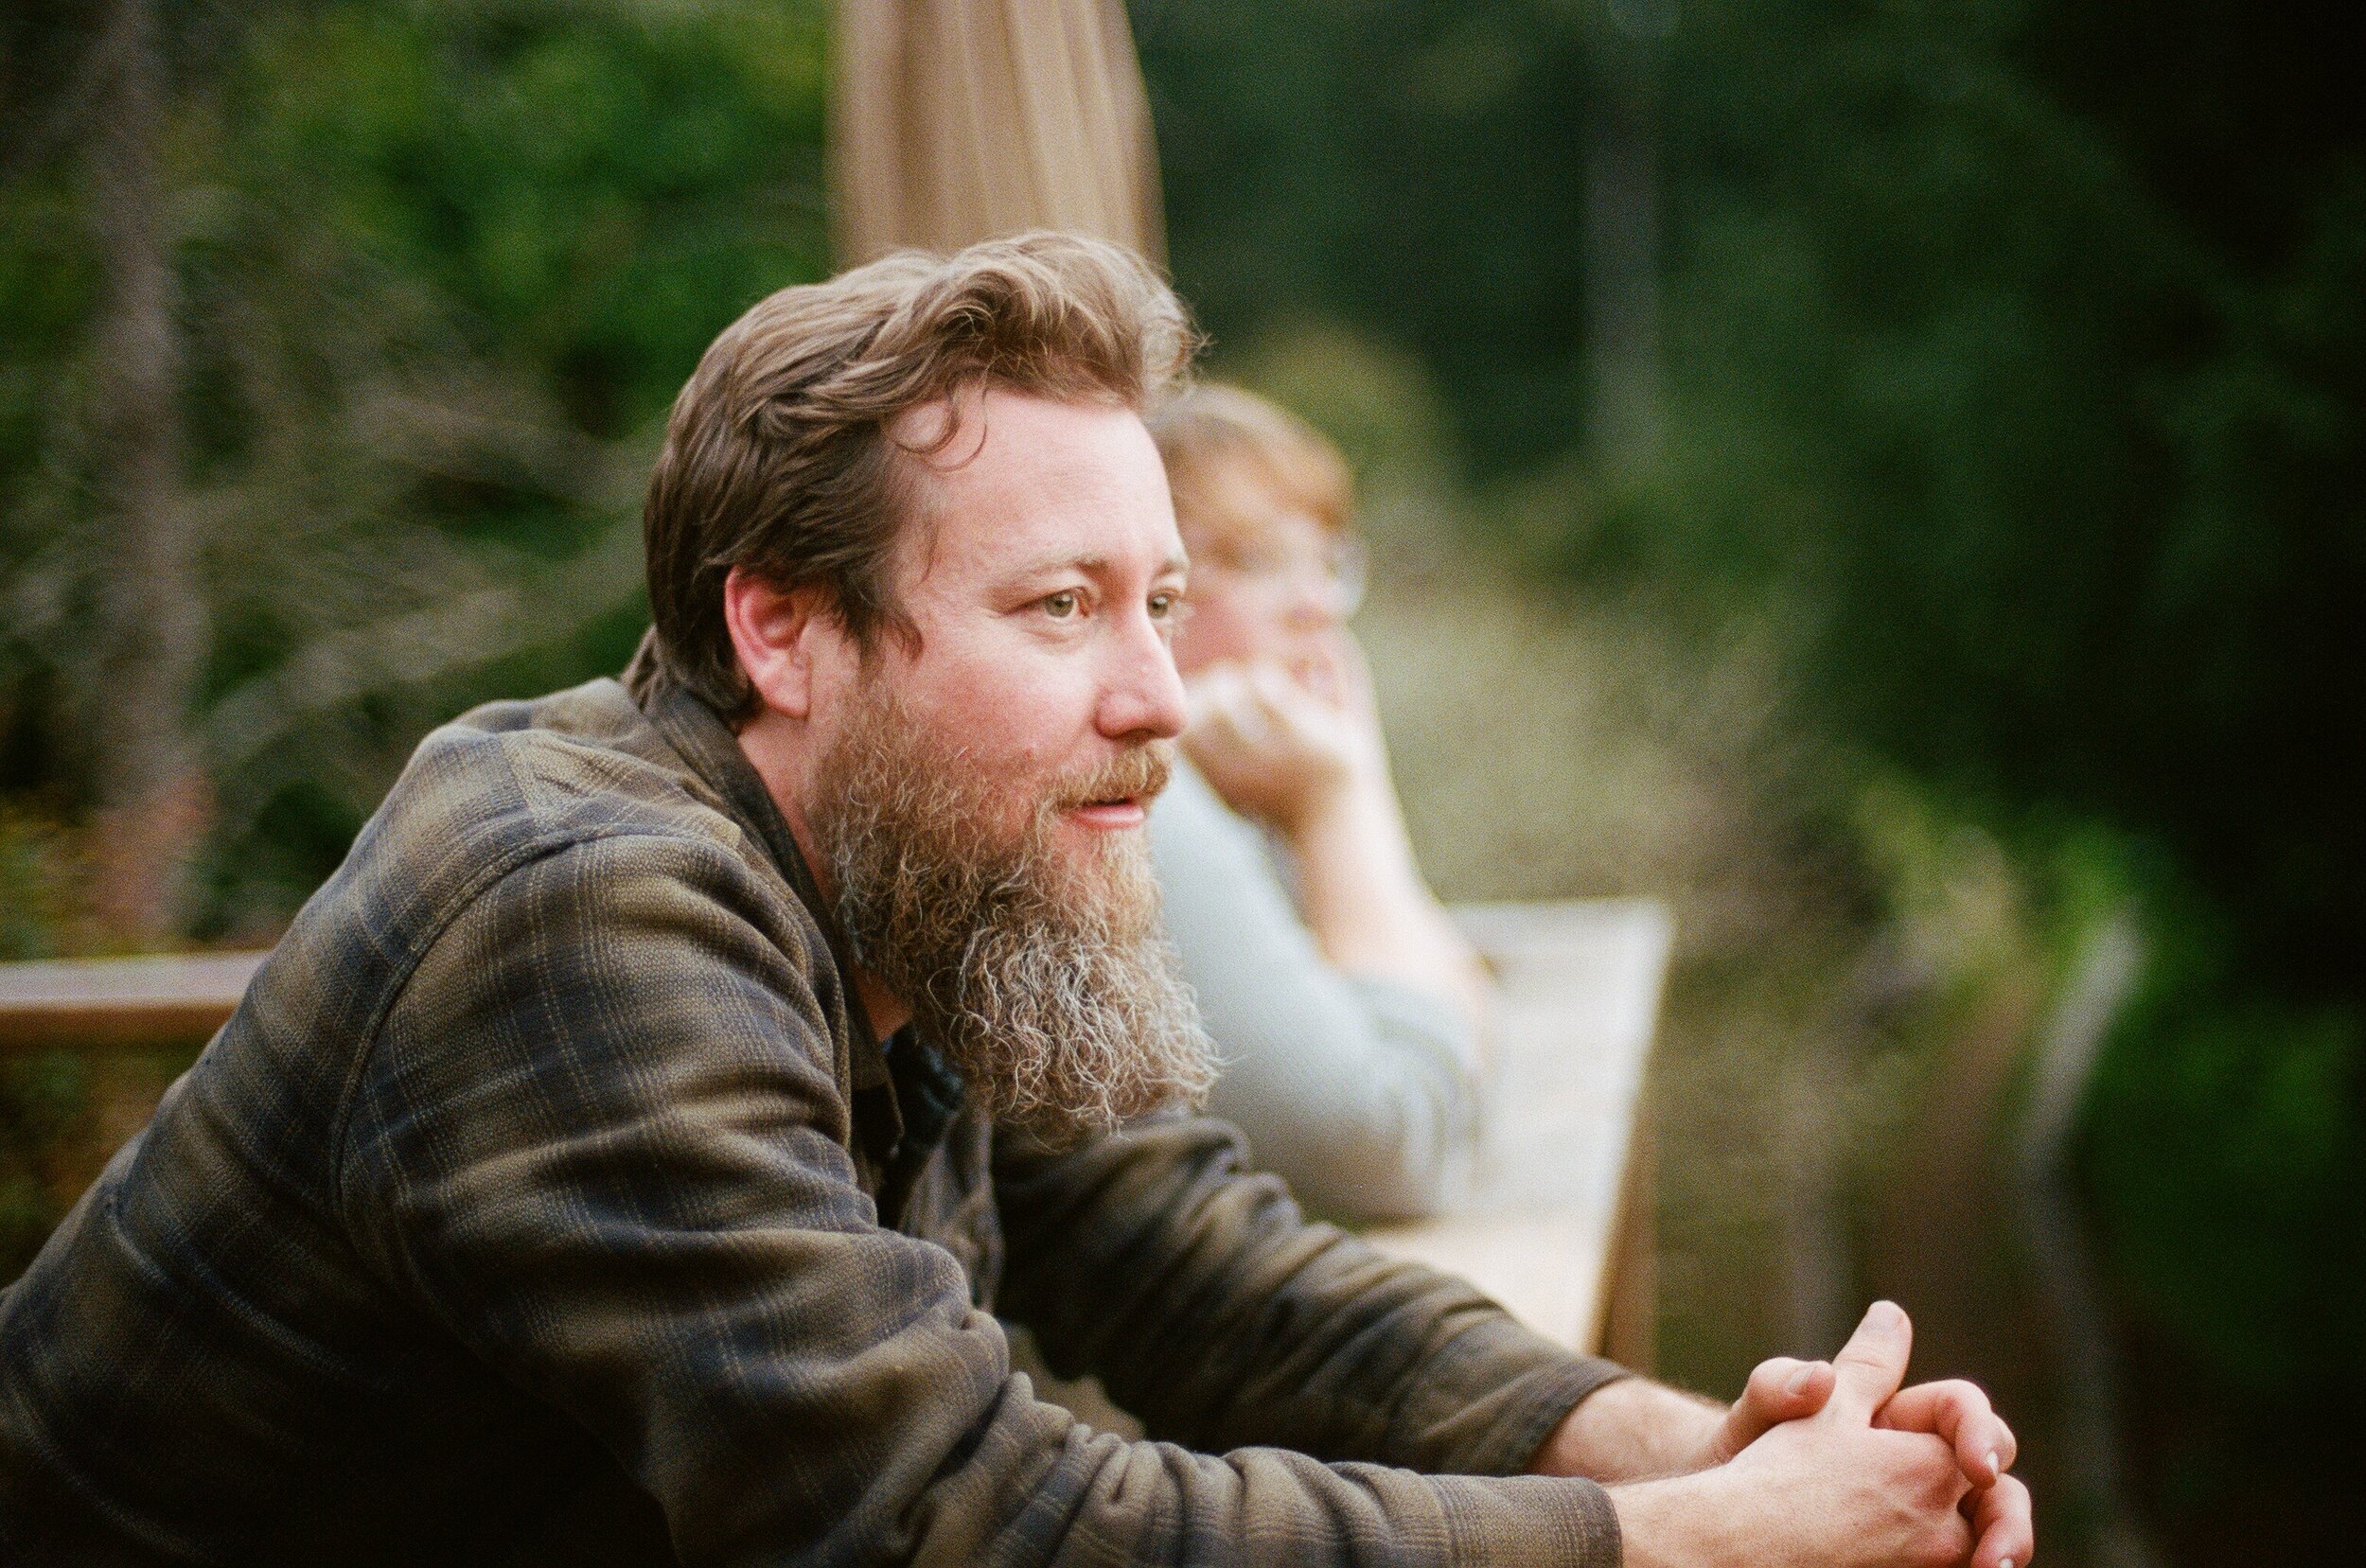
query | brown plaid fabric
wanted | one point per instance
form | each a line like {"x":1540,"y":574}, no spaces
{"x":547,"y":1200}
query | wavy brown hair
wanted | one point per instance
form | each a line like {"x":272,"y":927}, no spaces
{"x":779,"y":455}
{"x":1224,"y":446}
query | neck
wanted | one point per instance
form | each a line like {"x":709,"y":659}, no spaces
{"x":886,"y":1010}
{"x":775,"y":757}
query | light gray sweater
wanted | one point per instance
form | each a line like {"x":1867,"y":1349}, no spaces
{"x":1348,"y":1087}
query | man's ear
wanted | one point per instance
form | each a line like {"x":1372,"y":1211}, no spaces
{"x":779,"y":633}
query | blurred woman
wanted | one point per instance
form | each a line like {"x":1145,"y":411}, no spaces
{"x":1346,"y":1006}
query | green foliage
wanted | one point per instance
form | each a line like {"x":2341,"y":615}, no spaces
{"x":1966,"y":366}
{"x":1410,"y":167}
{"x":2016,"y":369}
{"x":34,"y":898}
{"x":45,"y":1105}
{"x":2226,"y":1161}
{"x":2015,"y":379}
{"x":442,"y":267}
{"x":585,"y":193}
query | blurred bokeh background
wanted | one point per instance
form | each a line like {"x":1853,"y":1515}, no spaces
{"x":1884,"y":479}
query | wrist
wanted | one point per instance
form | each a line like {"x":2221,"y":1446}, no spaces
{"x":1327,"y":808}
{"x":1352,"y":809}
{"x":1631,"y":1429}
{"x":1679,"y":1521}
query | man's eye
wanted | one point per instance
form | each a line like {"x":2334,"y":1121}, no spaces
{"x":1164,"y":607}
{"x":1061,"y":606}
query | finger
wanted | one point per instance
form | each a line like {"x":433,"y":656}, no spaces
{"x":1247,"y":714}
{"x":1954,"y":1542}
{"x":1871,"y":1365}
{"x":1274,"y":684}
{"x":1223,"y":729}
{"x":1322,"y":682}
{"x":1781,"y":1389}
{"x":1959,"y":1412}
{"x":1214,"y":691}
{"x":1278,"y":701}
{"x":1198,"y":704}
{"x":1291,"y":711}
{"x":1266,"y":692}
{"x":2001,"y":1519}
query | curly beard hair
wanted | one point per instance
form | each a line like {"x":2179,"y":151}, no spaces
{"x":1048,"y":982}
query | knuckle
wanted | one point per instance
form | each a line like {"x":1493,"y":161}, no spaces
{"x":1930,"y":1452}
{"x":1938,"y":1474}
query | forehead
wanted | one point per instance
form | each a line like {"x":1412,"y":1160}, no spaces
{"x":1017,"y":479}
{"x":1241,"y":503}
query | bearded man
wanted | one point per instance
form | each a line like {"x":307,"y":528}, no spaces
{"x":622,"y":1157}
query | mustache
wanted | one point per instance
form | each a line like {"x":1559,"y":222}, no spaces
{"x":1138,"y":774}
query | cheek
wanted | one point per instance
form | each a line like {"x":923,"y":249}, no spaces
{"x":1014,"y":712}
{"x":1221,"y":628}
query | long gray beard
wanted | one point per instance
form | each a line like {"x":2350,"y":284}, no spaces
{"x":1052,"y":986}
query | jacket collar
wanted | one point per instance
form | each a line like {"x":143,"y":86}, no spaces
{"x":704,"y":741}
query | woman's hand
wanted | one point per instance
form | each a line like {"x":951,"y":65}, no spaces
{"x":1298,"y":749}
{"x":1280,"y":744}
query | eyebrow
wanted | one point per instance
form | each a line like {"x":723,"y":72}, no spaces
{"x":1175,"y":565}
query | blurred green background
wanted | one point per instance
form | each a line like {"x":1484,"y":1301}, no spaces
{"x":1882,"y":478}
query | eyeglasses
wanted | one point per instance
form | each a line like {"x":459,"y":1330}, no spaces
{"x":1287,"y":561}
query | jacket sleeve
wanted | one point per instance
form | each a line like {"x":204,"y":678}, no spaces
{"x":601,"y":1140}
{"x":1350,"y":1088}
{"x":1212,"y":1310}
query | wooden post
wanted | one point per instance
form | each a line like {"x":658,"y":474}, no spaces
{"x":1630,"y":1328}
{"x":953,"y":121}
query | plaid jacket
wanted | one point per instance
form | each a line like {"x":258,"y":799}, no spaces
{"x":547,"y":1200}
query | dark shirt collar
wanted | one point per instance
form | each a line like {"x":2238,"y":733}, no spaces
{"x":929,"y":1093}
{"x":707,"y":744}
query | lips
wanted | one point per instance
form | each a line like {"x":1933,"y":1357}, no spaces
{"x":1124,"y":812}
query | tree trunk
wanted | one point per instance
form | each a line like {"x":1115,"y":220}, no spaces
{"x":151,"y":793}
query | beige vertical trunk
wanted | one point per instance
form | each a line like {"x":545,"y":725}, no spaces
{"x":953,"y":121}
{"x":151,"y":795}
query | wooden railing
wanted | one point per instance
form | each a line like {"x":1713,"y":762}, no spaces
{"x":122,"y":1004}
{"x":1552,"y":1215}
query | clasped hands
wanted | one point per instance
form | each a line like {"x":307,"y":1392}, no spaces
{"x":1817,"y":1465}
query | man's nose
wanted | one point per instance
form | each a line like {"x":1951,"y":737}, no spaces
{"x":1144,"y":698}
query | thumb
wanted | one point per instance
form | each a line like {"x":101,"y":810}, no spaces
{"x":1871,"y":1365}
